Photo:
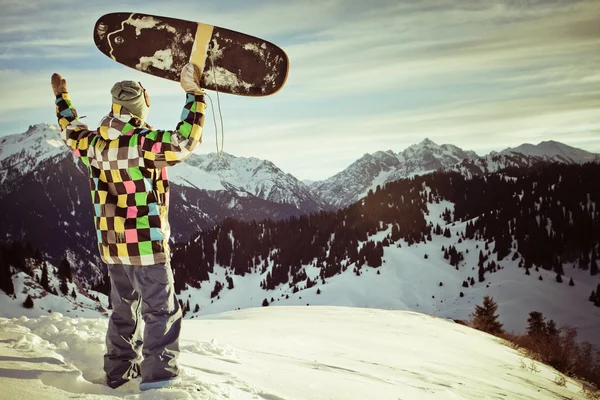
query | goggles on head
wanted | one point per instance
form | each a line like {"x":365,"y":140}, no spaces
{"x":146,"y":97}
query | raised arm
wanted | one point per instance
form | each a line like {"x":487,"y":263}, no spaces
{"x":166,"y":148}
{"x":74,"y":133}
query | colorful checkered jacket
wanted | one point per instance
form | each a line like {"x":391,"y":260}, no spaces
{"x":128,"y":176}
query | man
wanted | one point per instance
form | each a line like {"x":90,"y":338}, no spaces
{"x":127,"y":163}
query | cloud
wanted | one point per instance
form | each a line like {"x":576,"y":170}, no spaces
{"x":364,"y":76}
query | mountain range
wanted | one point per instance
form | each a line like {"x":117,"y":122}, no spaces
{"x":43,"y":186}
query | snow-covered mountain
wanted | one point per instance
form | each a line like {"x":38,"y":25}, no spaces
{"x":372,"y":170}
{"x":260,"y":178}
{"x":22,"y":153}
{"x":290,"y":353}
{"x":554,"y":152}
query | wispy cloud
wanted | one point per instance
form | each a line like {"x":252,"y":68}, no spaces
{"x":365,"y":76}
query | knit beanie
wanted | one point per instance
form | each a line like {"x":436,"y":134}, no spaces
{"x":130,"y":95}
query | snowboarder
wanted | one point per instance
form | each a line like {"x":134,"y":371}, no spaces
{"x":127,"y":161}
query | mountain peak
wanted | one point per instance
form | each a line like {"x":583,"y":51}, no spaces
{"x":39,"y":142}
{"x":553,"y":150}
{"x":428,"y":142}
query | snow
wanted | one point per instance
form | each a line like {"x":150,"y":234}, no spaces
{"x":279,"y":353}
{"x":188,"y":175}
{"x":253,"y":176}
{"x":45,"y":302}
{"x":29,"y":149}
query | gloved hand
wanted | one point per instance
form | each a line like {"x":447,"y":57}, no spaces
{"x":190,"y":79}
{"x":59,"y":85}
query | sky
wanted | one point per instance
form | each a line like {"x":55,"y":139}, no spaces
{"x":364,"y":76}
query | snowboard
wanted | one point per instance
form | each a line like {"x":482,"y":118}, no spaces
{"x":231,"y":62}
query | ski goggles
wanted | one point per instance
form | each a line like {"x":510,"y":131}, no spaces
{"x":146,"y":97}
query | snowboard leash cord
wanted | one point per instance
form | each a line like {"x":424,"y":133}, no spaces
{"x":219,"y":152}
{"x":212,"y":107}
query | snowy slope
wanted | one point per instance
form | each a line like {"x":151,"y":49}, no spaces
{"x":285,"y":353}
{"x":409,"y":281}
{"x":44,"y":302}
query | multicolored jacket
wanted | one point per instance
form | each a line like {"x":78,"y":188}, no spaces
{"x":128,"y":176}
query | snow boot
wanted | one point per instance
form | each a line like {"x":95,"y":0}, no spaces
{"x":159,"y":384}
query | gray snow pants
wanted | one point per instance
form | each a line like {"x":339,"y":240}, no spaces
{"x":142,"y":292}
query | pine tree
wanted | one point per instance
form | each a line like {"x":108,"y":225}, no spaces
{"x":485,"y":317}
{"x":537,"y":326}
{"x":571,"y":283}
{"x":481,"y":274}
{"x":558,"y":278}
{"x":38,"y":256}
{"x":481,"y":259}
{"x":6,"y":283}
{"x":182,"y":307}
{"x":29,"y":252}
{"x":594,"y":264}
{"x":265,"y":303}
{"x":557,"y":267}
{"x":28,"y":303}
{"x":17,"y":256}
{"x":73,"y":294}
{"x":584,"y":260}
{"x":551,"y":329}
{"x":64,"y":269}
{"x":44,"y":281}
{"x":64,"y":287}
